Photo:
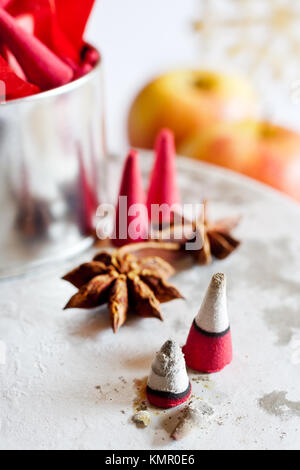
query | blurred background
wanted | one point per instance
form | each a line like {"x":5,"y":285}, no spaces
{"x":140,"y":40}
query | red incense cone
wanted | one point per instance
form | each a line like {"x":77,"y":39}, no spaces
{"x":88,"y":199}
{"x":15,"y":87}
{"x":168,"y":383}
{"x":45,"y":26}
{"x":27,"y":23}
{"x":41,"y":66}
{"x":131,"y":223}
{"x":209,"y":345}
{"x":163,"y":186}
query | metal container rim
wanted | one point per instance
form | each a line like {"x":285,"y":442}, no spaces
{"x":56,"y":91}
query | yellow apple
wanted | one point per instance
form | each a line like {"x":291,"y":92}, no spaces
{"x":186,"y":101}
{"x":261,"y":150}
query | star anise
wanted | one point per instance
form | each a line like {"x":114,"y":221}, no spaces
{"x":203,"y":239}
{"x":125,"y":282}
{"x":216,"y":237}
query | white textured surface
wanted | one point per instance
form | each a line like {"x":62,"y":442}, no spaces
{"x":56,"y":359}
{"x":213,"y":316}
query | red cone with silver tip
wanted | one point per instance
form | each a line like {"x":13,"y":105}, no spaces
{"x":40,"y":65}
{"x":209,"y":345}
{"x":131,"y":225}
{"x":168,"y":383}
{"x":163,"y":186}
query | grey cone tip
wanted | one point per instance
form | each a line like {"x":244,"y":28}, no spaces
{"x":218,"y":279}
{"x":168,"y":346}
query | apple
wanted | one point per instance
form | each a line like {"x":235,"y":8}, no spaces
{"x":186,"y":101}
{"x":261,"y":150}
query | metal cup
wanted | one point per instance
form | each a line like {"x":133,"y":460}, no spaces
{"x":52,"y":173}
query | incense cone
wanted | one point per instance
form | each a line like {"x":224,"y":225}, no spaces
{"x":131,"y":223}
{"x":163,"y":185}
{"x":168,"y":383}
{"x":88,"y":198}
{"x":192,"y":418}
{"x":45,"y":27}
{"x":27,"y":23}
{"x":41,"y":66}
{"x":209,"y":345}
{"x":15,"y":87}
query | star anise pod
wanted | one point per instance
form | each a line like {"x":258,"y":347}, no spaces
{"x":217,"y":240}
{"x":125,"y":282}
{"x":203,"y":239}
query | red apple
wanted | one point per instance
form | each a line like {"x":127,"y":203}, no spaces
{"x":261,"y":150}
{"x":187,"y":101}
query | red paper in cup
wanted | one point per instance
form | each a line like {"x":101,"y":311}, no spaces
{"x":11,"y":86}
{"x":59,"y":26}
{"x":72,"y":17}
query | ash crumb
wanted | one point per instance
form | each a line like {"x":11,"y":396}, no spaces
{"x":191,"y":418}
{"x":123,"y":412}
{"x":201,"y":378}
{"x":143,"y":406}
{"x":123,"y":380}
{"x":218,"y":279}
{"x":142,"y":419}
{"x":239,"y":419}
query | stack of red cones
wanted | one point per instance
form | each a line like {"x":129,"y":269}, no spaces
{"x":168,"y":383}
{"x":209,"y":345}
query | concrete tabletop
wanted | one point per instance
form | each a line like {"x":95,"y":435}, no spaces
{"x":67,"y":382}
